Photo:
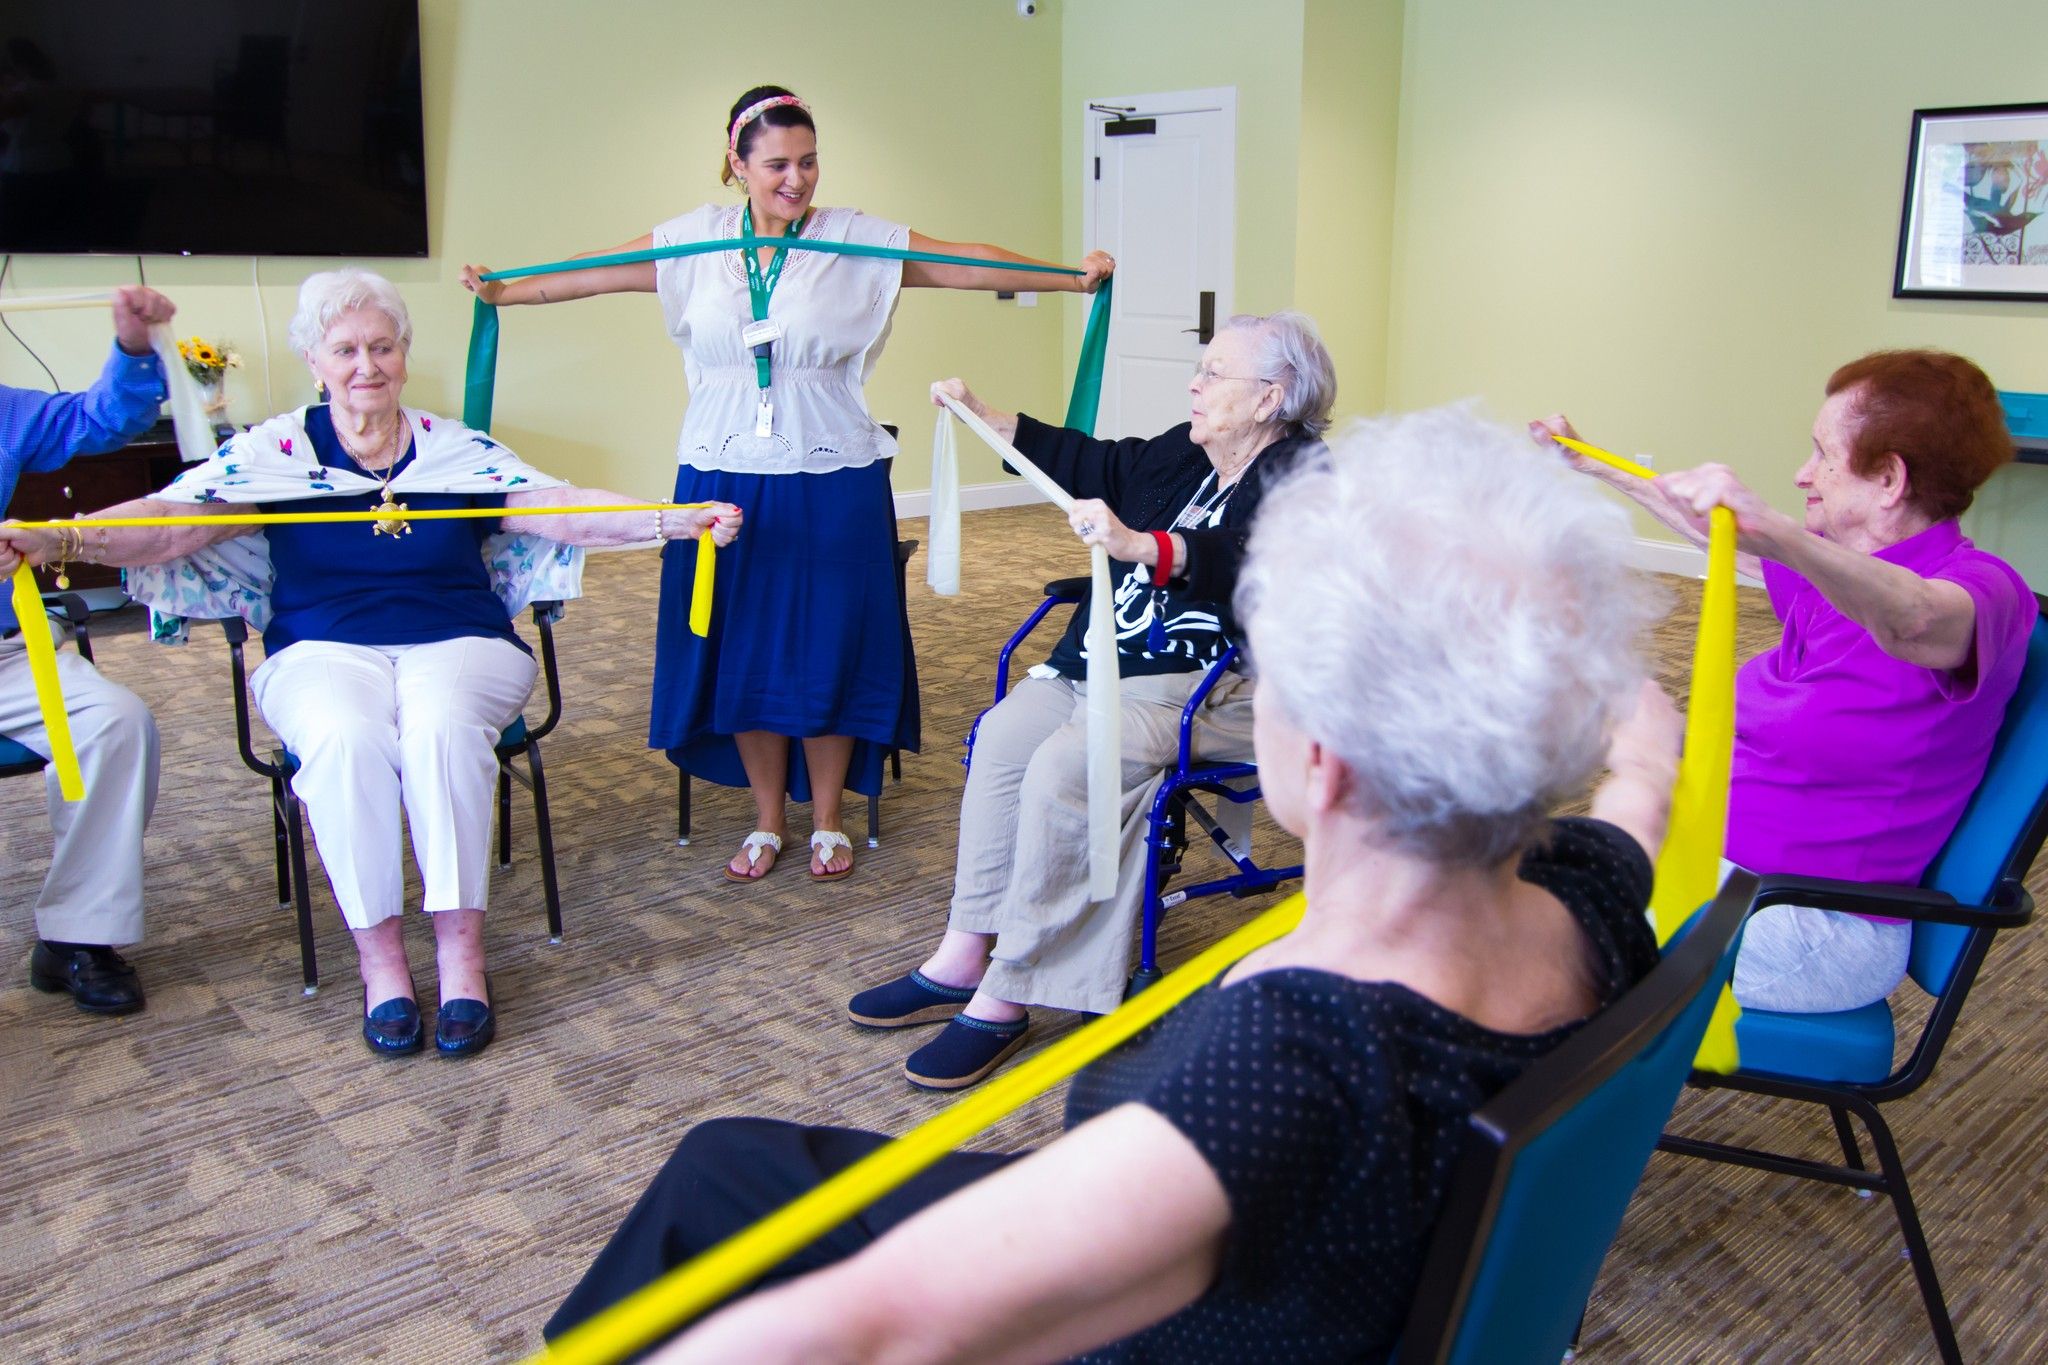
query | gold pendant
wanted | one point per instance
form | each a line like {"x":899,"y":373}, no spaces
{"x":388,"y":525}
{"x":63,"y":579}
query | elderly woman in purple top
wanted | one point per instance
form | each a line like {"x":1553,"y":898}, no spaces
{"x":1860,"y":738}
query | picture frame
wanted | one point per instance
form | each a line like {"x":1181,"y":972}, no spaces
{"x":1974,"y":222}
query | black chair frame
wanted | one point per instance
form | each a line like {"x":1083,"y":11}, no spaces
{"x":1551,"y":1087}
{"x":1175,"y":803}
{"x":294,"y":888}
{"x":2008,"y":907}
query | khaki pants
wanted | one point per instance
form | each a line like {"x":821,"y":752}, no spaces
{"x":1022,"y":870}
{"x":93,"y":891}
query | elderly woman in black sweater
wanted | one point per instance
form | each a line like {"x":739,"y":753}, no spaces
{"x":1258,"y":1176}
{"x":1173,"y":513}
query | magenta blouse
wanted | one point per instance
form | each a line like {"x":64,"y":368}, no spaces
{"x":1850,"y":763}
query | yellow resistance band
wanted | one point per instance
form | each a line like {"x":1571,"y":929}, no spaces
{"x":689,"y":1289}
{"x":1689,"y":864}
{"x":1607,"y":457}
{"x":41,"y":644}
{"x":42,"y":650}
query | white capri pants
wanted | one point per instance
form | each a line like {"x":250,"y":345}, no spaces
{"x":372,"y":725}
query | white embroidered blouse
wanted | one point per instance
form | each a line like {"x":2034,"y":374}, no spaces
{"x":834,"y":312}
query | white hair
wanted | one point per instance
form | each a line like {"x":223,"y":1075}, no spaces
{"x":1290,"y":353}
{"x":1452,"y":614}
{"x":332,"y":294}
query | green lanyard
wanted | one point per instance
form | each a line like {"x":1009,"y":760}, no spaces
{"x":760,"y":289}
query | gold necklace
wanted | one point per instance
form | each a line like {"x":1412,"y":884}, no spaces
{"x":387,"y":523}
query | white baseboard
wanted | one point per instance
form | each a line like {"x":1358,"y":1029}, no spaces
{"x":1684,"y":561}
{"x":974,"y":497}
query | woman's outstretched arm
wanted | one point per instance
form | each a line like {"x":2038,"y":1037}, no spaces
{"x":637,"y":278}
{"x":978,"y":1276}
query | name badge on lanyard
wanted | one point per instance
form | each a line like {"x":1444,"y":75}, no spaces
{"x":760,"y":334}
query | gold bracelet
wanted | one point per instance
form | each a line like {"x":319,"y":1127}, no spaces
{"x":68,"y":544}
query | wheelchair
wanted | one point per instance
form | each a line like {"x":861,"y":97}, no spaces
{"x":1215,"y":798}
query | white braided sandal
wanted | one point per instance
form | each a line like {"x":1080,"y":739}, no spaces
{"x":755,"y":842}
{"x":823,"y":841}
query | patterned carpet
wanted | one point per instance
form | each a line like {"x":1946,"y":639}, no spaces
{"x":230,"y":1176}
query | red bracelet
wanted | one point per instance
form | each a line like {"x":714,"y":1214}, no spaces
{"x":1162,"y":572}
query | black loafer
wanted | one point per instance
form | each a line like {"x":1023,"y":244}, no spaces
{"x":393,"y":1029}
{"x":964,"y":1053}
{"x":464,"y":1028}
{"x":908,"y":1000}
{"x":99,"y":980}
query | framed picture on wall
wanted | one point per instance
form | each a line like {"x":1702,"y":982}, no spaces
{"x":1975,"y":220}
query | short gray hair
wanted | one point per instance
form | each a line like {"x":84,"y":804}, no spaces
{"x":1453,"y":615}
{"x":332,"y":294}
{"x":1291,"y":354}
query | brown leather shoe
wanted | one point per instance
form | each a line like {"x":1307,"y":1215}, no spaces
{"x":99,"y":980}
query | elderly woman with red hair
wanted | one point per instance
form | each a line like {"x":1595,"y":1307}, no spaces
{"x":1860,"y":738}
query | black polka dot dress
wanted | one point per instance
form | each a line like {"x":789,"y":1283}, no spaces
{"x":1330,"y":1111}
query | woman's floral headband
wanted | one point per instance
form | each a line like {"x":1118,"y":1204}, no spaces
{"x":755,"y":110}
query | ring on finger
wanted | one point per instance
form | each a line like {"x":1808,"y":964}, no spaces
{"x":1087,"y":528}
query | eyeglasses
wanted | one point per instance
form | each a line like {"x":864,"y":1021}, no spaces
{"x":1205,"y":376}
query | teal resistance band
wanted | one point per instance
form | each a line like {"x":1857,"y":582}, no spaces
{"x":480,"y":383}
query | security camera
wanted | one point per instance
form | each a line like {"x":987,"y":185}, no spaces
{"x":1026,"y":8}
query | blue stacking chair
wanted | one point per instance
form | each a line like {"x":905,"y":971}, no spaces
{"x":1550,"y":1163}
{"x":1178,"y":801}
{"x":1843,"y":1061}
{"x":519,"y":740}
{"x":18,"y":760}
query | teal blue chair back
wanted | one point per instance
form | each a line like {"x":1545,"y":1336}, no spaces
{"x":1997,"y":820}
{"x":1551,"y":1162}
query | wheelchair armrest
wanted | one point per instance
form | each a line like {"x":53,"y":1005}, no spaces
{"x":2009,"y":907}
{"x":72,"y":608}
{"x":1201,"y":694}
{"x":545,"y":614}
{"x":1023,"y":632}
{"x":1067,"y":589}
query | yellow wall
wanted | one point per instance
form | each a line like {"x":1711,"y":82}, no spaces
{"x":1344,"y":216}
{"x":1672,"y":221}
{"x":554,"y":128}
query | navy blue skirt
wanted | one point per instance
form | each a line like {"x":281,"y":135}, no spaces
{"x":808,"y":632}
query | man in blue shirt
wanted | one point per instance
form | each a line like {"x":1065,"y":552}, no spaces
{"x":91,"y":898}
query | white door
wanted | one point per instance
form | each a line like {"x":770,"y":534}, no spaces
{"x":1160,"y":194}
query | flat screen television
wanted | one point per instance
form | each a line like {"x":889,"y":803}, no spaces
{"x":222,"y":128}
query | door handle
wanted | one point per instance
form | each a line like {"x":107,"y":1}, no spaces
{"x":1204,"y":329}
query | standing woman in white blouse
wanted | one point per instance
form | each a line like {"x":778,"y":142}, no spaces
{"x":808,"y":638}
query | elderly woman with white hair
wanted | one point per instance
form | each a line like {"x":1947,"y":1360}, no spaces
{"x":1173,"y":513}
{"x":1258,"y":1175}
{"x":391,"y":662}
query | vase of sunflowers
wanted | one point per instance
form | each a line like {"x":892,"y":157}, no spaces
{"x":209,"y":364}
